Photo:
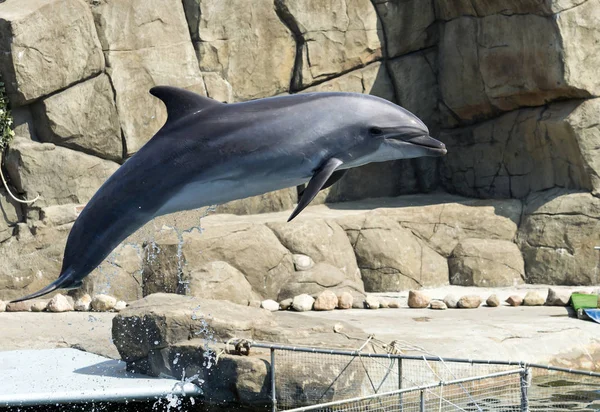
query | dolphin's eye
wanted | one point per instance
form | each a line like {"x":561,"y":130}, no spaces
{"x":376,"y":131}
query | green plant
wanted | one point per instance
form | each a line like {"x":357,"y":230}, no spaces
{"x":6,"y":120}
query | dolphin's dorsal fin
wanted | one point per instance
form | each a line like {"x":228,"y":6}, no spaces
{"x":181,"y":102}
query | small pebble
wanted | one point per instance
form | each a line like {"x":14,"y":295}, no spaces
{"x":533,"y":298}
{"x":2,"y":306}
{"x":103,"y":303}
{"x":286,"y":304}
{"x":438,"y":305}
{"x":83,"y":304}
{"x":451,"y":301}
{"x":372,"y":302}
{"x":493,"y":301}
{"x":59,"y":303}
{"x":514,"y":300}
{"x":417,"y":299}
{"x":270,"y":305}
{"x":345,"y":300}
{"x":120,"y":305}
{"x":469,"y":302}
{"x":39,"y":306}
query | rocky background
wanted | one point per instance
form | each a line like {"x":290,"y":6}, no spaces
{"x":509,"y":86}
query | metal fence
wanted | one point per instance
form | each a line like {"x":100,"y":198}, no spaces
{"x":311,"y":379}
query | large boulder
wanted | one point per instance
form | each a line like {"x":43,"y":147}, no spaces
{"x":392,"y":258}
{"x":44,"y":51}
{"x":524,"y":151}
{"x":322,"y":240}
{"x":219,"y":280}
{"x":501,"y":62}
{"x":443,"y":220}
{"x":486,"y":263}
{"x":557,"y":238}
{"x":253,"y":249}
{"x":154,"y":48}
{"x":119,"y":275}
{"x":58,"y":175}
{"x":253,"y":51}
{"x":334,"y":36}
{"x":83,"y":117}
{"x":321,"y":277}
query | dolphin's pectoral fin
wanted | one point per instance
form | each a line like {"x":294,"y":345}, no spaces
{"x":181,"y":102}
{"x":318,"y":182}
{"x":337,"y":175}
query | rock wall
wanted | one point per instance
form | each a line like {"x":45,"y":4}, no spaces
{"x":510,"y":87}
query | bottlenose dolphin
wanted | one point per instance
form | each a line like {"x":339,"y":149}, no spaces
{"x":209,"y":152}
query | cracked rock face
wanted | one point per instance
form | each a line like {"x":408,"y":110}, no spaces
{"x":524,"y":151}
{"x":146,"y":44}
{"x":557,"y":238}
{"x":252,"y":51}
{"x":501,"y":62}
{"x":44,"y":51}
{"x":333,"y":36}
{"x":486,"y":263}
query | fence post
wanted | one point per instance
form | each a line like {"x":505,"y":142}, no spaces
{"x":422,"y":407}
{"x":273,"y":394}
{"x":525,"y":379}
{"x":400,"y":383}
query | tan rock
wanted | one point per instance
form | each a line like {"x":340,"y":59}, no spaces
{"x":324,"y":241}
{"x":151,"y":49}
{"x":393,"y":304}
{"x":486,"y":263}
{"x":476,"y":83}
{"x":120,"y":305}
{"x":321,"y":277}
{"x":120,"y":275}
{"x":438,"y":304}
{"x":469,"y":302}
{"x":219,"y":280}
{"x":533,"y":298}
{"x":83,"y":117}
{"x":303,"y":303}
{"x":326,"y":300}
{"x":558,"y":297}
{"x":286,"y":304}
{"x":417,"y":29}
{"x":270,"y":305}
{"x":492,"y":301}
{"x":514,"y":300}
{"x":2,"y":306}
{"x":557,"y":237}
{"x":83,"y":304}
{"x":59,"y":303}
{"x":443,"y":220}
{"x":302,"y":262}
{"x":255,"y":248}
{"x":451,"y":301}
{"x":103,"y":303}
{"x":486,"y":160}
{"x":416,"y":83}
{"x":345,"y":37}
{"x":372,"y":302}
{"x":359,"y":304}
{"x":18,"y":306}
{"x":392,"y":258}
{"x":35,"y":63}
{"x":40,"y":306}
{"x":383,"y":303}
{"x":252,"y":51}
{"x":57,"y":174}
{"x":418,"y":299}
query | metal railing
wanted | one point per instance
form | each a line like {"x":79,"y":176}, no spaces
{"x":312,"y":379}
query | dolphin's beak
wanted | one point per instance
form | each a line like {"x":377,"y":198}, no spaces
{"x":429,"y":142}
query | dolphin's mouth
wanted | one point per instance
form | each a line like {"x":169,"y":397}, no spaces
{"x":426,"y":141}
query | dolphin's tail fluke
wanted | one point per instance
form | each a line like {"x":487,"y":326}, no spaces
{"x":63,"y":282}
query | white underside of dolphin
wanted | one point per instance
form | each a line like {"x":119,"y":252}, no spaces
{"x":209,"y":153}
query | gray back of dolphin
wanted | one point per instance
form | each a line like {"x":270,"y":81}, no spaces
{"x":209,"y":153}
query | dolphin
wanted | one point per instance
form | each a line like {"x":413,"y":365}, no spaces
{"x":209,"y":152}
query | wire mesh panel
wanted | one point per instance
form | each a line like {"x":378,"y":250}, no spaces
{"x":493,"y":393}
{"x":552,"y":390}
